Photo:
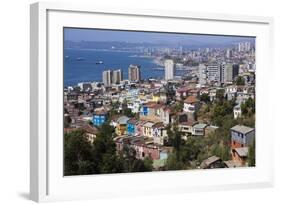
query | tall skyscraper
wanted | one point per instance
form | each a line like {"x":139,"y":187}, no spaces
{"x":117,"y":76}
{"x":244,"y":46}
{"x":247,"y":46}
{"x":134,"y":73}
{"x":228,"y":53}
{"x":240,"y":46}
{"x":169,"y":69}
{"x":107,"y":77}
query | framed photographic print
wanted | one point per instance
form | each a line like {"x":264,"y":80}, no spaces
{"x":128,"y":102}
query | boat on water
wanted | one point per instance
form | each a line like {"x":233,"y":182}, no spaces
{"x":80,"y":59}
{"x":99,"y":62}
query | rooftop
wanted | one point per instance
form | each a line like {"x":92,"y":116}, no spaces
{"x":90,"y":129}
{"x":133,"y":121}
{"x":207,"y":162}
{"x":122,"y":120}
{"x":200,"y":126}
{"x":242,"y":151}
{"x":191,"y":99}
{"x":148,"y":124}
{"x":188,"y":123}
{"x":242,"y":129}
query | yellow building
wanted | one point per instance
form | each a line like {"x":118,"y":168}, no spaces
{"x":121,"y":127}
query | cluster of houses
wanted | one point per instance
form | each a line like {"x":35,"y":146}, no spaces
{"x":153,"y":104}
{"x":242,"y":137}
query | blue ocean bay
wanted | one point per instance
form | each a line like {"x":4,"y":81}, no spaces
{"x":80,"y":65}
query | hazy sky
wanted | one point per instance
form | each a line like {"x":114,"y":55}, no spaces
{"x":74,"y":34}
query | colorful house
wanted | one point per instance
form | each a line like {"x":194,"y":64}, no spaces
{"x":166,"y":115}
{"x":242,"y":136}
{"x":150,"y":111}
{"x":140,"y":127}
{"x":147,"y":129}
{"x":159,"y":133}
{"x":132,"y":126}
{"x":143,"y":149}
{"x":121,"y":128}
{"x":182,"y":92}
{"x":100,"y":116}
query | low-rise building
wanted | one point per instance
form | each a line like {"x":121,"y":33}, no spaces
{"x":100,"y":116}
{"x":132,"y":126}
{"x":191,"y":104}
{"x":186,"y":127}
{"x":166,"y":114}
{"x":147,"y":129}
{"x":240,"y":155}
{"x":242,"y":136}
{"x":121,"y":128}
{"x":237,"y":111}
{"x":212,"y":163}
{"x":159,"y":133}
{"x":90,"y":132}
{"x":199,"y":129}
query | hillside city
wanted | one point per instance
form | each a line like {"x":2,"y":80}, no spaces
{"x":204,"y":119}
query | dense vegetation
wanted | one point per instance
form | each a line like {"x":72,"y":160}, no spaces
{"x":81,"y":157}
{"x":188,"y":154}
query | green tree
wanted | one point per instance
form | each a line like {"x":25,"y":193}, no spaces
{"x":240,"y":80}
{"x":252,"y":155}
{"x":131,"y":164}
{"x":220,"y":95}
{"x":205,"y":98}
{"x":173,"y":163}
{"x":179,"y":106}
{"x":77,"y":153}
{"x":248,"y":108}
{"x":128,"y":112}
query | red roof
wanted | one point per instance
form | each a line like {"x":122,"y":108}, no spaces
{"x":153,"y":105}
{"x":183,"y":89}
{"x":191,"y":99}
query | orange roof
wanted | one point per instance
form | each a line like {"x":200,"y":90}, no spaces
{"x":153,"y":105}
{"x":191,"y":99}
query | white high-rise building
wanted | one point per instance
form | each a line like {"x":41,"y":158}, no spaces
{"x":228,"y":53}
{"x":134,"y":73}
{"x":247,"y":46}
{"x":226,"y":73}
{"x":202,"y":74}
{"x":213,"y":73}
{"x":240,"y":46}
{"x":169,"y":69}
{"x":117,"y":76}
{"x":244,"y":46}
{"x":107,"y":77}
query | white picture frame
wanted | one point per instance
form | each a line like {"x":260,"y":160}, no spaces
{"x":46,"y":178}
